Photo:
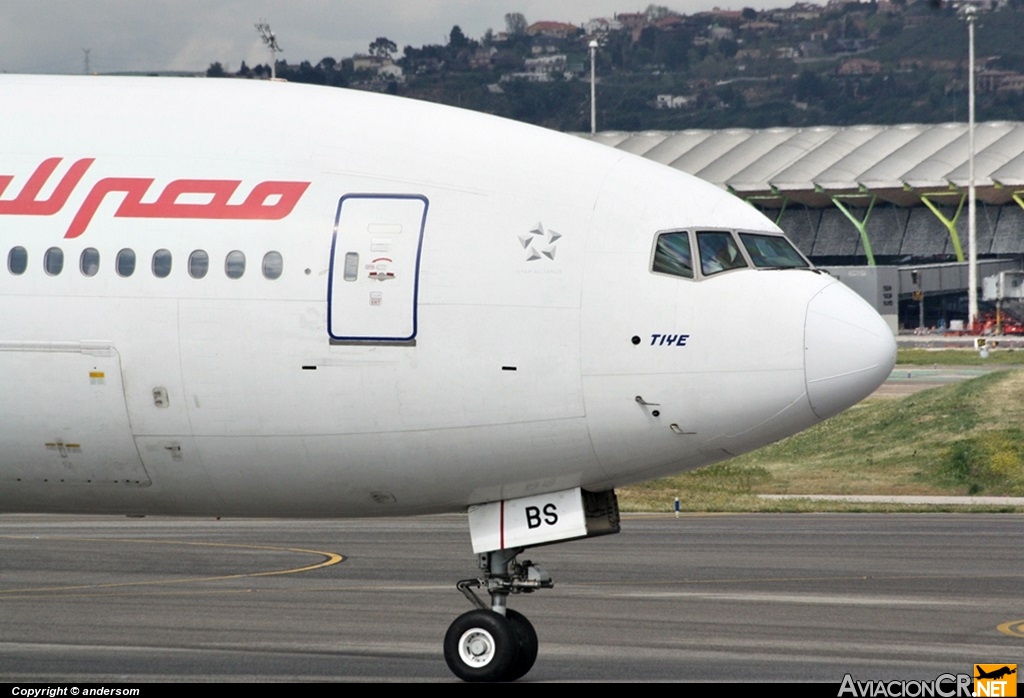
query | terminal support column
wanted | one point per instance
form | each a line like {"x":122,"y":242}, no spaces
{"x":1017,"y":197}
{"x":860,"y":225}
{"x":954,"y":236}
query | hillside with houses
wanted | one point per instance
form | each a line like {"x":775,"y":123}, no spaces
{"x":888,"y":61}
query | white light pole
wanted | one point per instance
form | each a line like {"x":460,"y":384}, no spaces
{"x":593,"y":86}
{"x":972,"y":242}
{"x":267,"y":34}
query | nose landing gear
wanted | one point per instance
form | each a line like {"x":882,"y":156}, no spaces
{"x":495,"y":643}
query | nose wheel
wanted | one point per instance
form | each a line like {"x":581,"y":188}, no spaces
{"x":496,"y":643}
{"x":482,"y":645}
{"x":526,"y":637}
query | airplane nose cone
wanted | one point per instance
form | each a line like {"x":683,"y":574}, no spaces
{"x":848,"y":350}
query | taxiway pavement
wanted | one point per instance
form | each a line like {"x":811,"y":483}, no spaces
{"x":749,"y":597}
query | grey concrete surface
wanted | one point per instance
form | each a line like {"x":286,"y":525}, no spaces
{"x":698,"y":598}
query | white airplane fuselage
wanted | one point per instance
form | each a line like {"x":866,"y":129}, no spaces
{"x":465,"y":309}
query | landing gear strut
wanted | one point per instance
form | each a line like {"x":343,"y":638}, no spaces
{"x":495,"y":643}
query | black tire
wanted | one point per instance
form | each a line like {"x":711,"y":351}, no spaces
{"x":480,"y":645}
{"x":523,"y":631}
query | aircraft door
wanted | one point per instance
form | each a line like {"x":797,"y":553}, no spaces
{"x":374,"y":274}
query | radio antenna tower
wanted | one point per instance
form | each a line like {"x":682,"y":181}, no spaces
{"x":267,"y":34}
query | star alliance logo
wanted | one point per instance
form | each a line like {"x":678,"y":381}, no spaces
{"x":539,"y":243}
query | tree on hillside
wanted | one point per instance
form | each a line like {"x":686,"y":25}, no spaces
{"x":515,"y":25}
{"x":656,"y":12}
{"x":457,"y":40}
{"x":808,"y":86}
{"x":307,"y":74}
{"x":383,"y":47}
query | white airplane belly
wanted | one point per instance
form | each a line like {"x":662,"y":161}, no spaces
{"x":393,"y":474}
{"x":476,"y":409}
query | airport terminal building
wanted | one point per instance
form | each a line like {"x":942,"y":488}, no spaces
{"x":883,"y":207}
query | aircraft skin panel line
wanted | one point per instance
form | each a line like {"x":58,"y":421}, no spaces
{"x":386,"y":307}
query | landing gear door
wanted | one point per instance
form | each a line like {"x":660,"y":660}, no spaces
{"x":543,"y":518}
{"x":375,"y":264}
{"x":65,"y":417}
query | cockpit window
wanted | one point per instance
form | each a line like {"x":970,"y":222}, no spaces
{"x":772,"y":251}
{"x":672,"y":255}
{"x":718,"y":252}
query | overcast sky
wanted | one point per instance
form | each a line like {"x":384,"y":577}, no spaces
{"x":48,"y":36}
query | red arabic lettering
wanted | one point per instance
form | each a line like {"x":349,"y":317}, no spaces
{"x":214,"y":193}
{"x":25,"y":204}
{"x":166,"y":206}
{"x":134,"y":187}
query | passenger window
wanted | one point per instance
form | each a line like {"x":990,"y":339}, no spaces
{"x":718,"y":252}
{"x":672,"y":255}
{"x":161,"y":263}
{"x":234,"y":264}
{"x":198,"y":264}
{"x":17,"y":260}
{"x":89,"y":262}
{"x":273,"y":265}
{"x":53,"y":261}
{"x":126,"y":262}
{"x":772,"y":251}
